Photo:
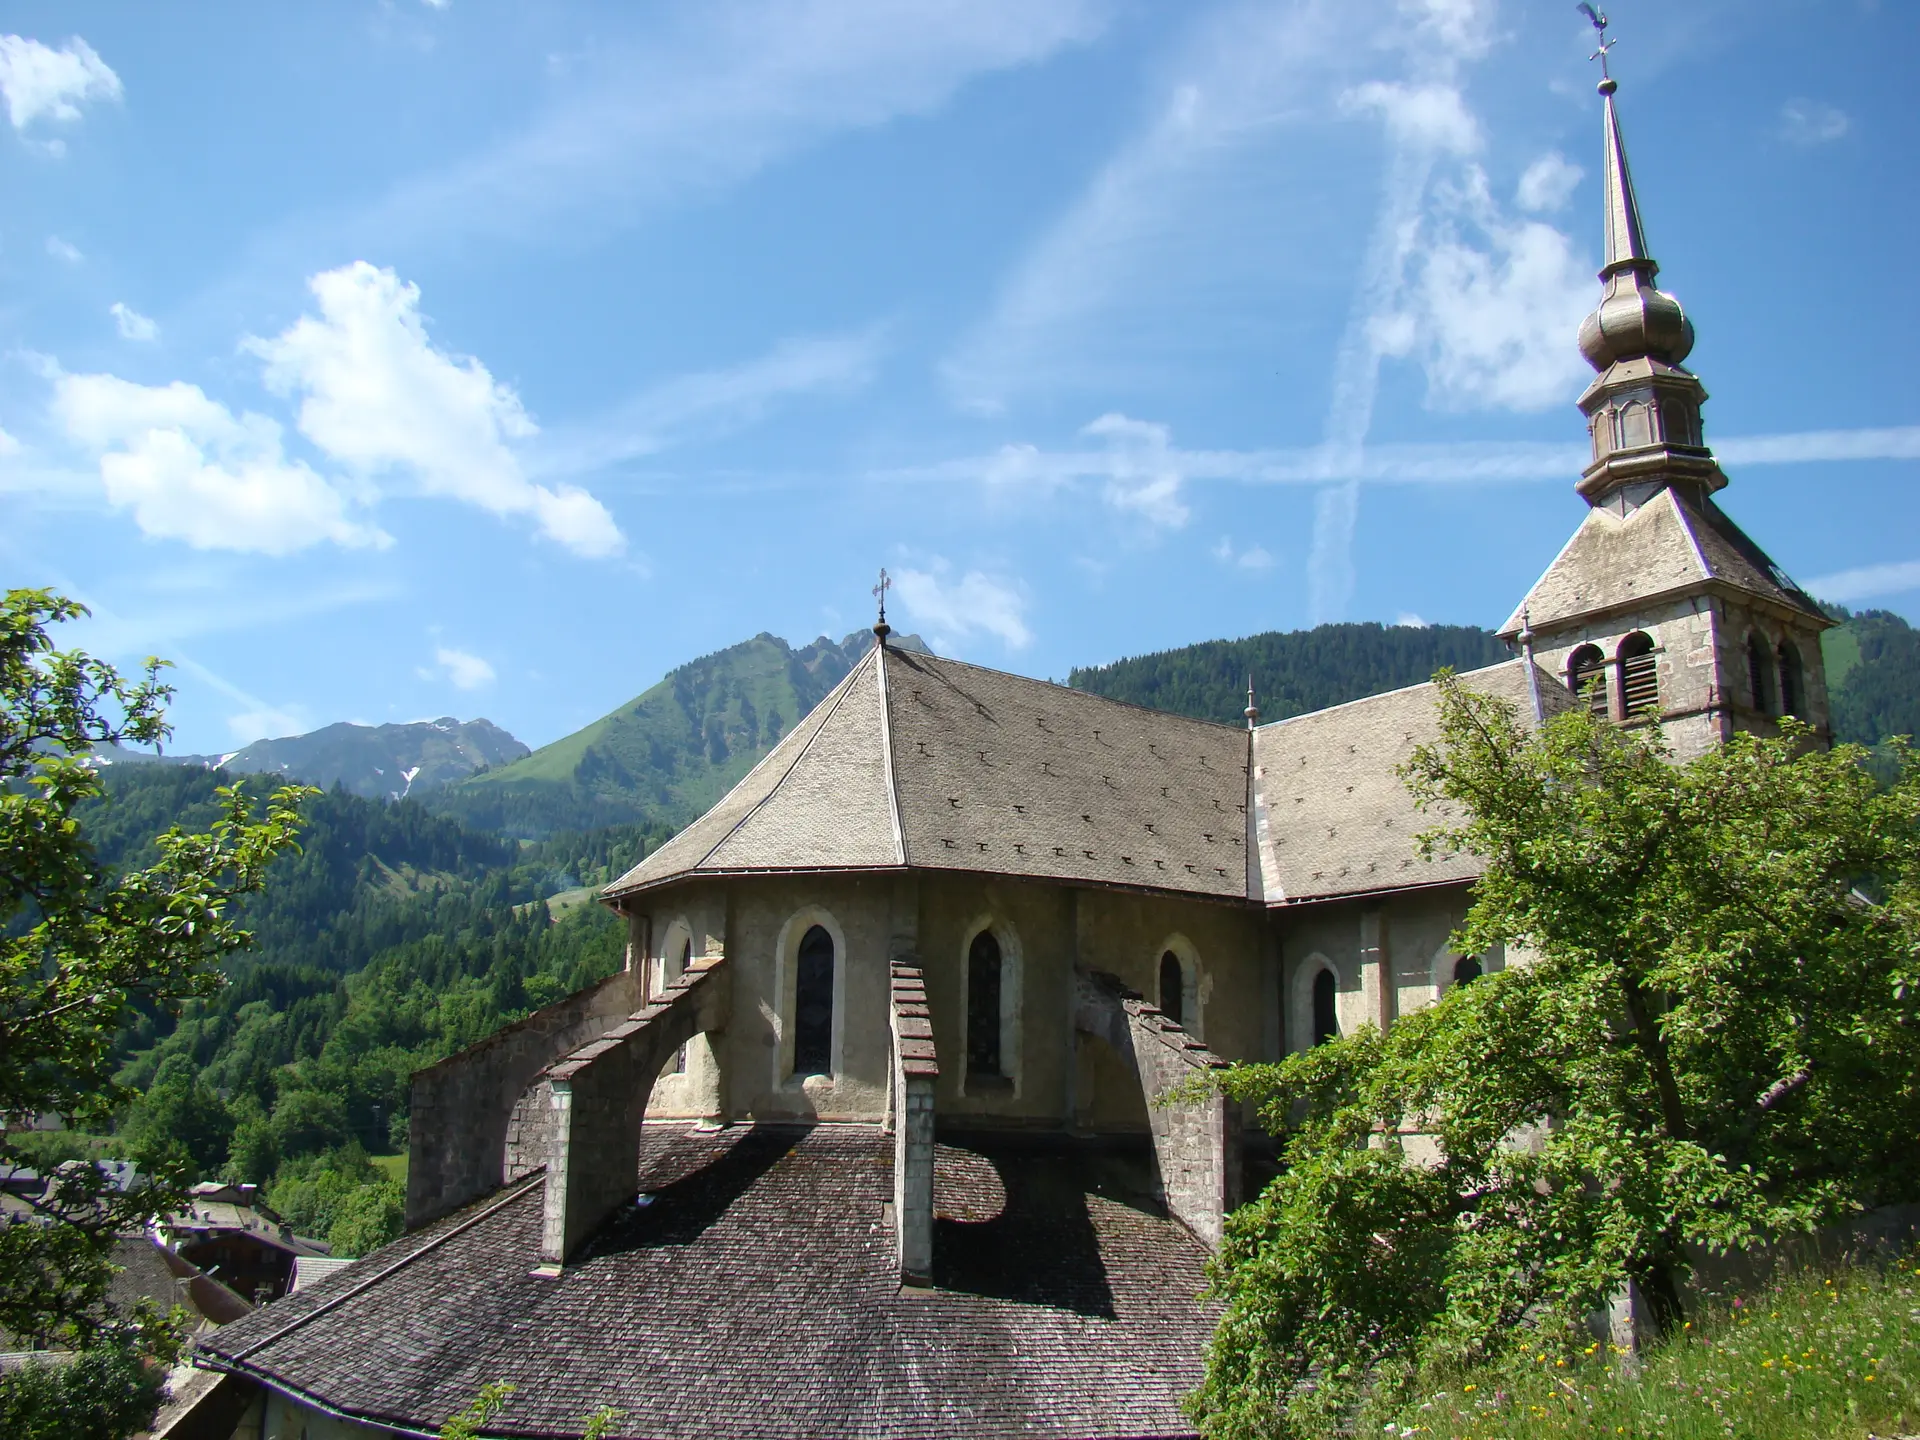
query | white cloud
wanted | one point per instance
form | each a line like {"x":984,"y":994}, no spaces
{"x":132,"y":324}
{"x":1141,"y":474}
{"x":43,"y":83}
{"x":8,"y":445}
{"x":190,"y":470}
{"x":714,"y":401}
{"x":1429,"y":117}
{"x":954,"y":610}
{"x":467,"y":671}
{"x":1812,"y":122}
{"x":1548,"y":183}
{"x":1408,"y":620}
{"x":64,"y":250}
{"x":436,"y":4}
{"x":1492,"y":306}
{"x":377,"y":396}
{"x":1254,"y":557}
{"x":1867,"y":582}
{"x":265,"y":723}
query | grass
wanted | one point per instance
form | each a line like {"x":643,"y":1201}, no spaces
{"x":392,"y":1167}
{"x":1819,"y":1356}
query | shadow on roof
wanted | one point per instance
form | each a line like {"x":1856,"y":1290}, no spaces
{"x":680,"y":1211}
{"x":1036,"y":1244}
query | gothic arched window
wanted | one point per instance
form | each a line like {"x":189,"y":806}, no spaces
{"x":1587,"y":676}
{"x":1326,"y":1016}
{"x":813,"y":1004}
{"x":1173,"y":986}
{"x":1759,"y":675}
{"x":1793,"y":684}
{"x":1466,"y":970}
{"x":686,"y":959}
{"x":984,"y":971}
{"x":1639,"y":677}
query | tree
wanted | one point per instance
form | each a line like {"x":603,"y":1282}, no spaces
{"x":81,"y":946}
{"x":1714,"y":1038}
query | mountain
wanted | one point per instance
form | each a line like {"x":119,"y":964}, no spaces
{"x":1873,"y":676}
{"x":666,"y":755}
{"x":1294,"y":671}
{"x":376,"y":762}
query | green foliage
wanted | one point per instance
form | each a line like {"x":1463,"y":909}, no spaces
{"x":179,"y":1119}
{"x":487,"y":1404}
{"x":1716,"y":1040}
{"x":599,"y":1425}
{"x":368,"y":1218}
{"x":1815,"y":1355}
{"x":1295,"y":672}
{"x":82,"y":944}
{"x":108,"y":1391}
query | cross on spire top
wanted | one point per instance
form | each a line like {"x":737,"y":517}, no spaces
{"x":880,"y":627}
{"x":1600,"y":23}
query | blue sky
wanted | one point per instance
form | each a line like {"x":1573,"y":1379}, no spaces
{"x":388,"y":360}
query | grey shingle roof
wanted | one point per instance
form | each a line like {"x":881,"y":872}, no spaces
{"x":967,"y":768}
{"x":757,"y":1296}
{"x":1334,"y":817}
{"x":1667,"y":544}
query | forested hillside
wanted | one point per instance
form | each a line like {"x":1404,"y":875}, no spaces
{"x":1873,"y":675}
{"x":395,"y":937}
{"x":1293,"y":671}
{"x":665,"y":756}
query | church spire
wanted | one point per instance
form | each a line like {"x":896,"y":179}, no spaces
{"x":1643,"y":408}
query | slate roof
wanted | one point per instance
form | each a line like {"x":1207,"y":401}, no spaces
{"x":915,"y":760}
{"x":1668,"y":544}
{"x":757,"y":1296}
{"x":1334,"y":818}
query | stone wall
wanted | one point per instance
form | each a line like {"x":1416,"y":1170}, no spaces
{"x":464,"y":1108}
{"x":598,"y":1099}
{"x":1197,"y":1144}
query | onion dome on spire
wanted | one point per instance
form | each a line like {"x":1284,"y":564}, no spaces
{"x":1633,"y":318}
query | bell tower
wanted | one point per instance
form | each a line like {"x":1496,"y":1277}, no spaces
{"x":1660,"y":609}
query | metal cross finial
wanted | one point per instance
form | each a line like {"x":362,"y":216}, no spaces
{"x":1600,"y":23}
{"x":880,"y":593}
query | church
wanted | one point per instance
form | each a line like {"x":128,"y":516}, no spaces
{"x":863,"y":1140}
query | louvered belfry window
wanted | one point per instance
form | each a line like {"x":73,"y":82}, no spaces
{"x":1588,"y":667}
{"x":813,"y":1004}
{"x":1792,"y":681}
{"x":1759,"y":674}
{"x":1639,"y":677}
{"x":983,"y":1005}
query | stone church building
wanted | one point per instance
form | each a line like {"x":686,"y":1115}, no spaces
{"x":859,"y":1142}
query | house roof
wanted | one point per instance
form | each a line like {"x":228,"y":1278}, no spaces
{"x":1670,"y":543}
{"x":918,"y":761}
{"x":757,"y":1295}
{"x":1333,"y":816}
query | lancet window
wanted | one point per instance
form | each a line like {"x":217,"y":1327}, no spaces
{"x":985,"y":979}
{"x":1793,"y":683}
{"x":1326,"y":1015}
{"x":813,"y":1004}
{"x":1173,"y":987}
{"x":1760,"y":671}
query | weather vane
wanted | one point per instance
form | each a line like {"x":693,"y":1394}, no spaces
{"x":880,"y":593}
{"x":1600,"y":23}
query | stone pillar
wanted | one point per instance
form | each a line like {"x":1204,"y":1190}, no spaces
{"x":599,"y":1101}
{"x":916,"y":1068}
{"x":1376,"y":967}
{"x":1197,"y":1144}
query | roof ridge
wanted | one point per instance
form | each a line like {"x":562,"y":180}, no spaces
{"x":1093,"y":695}
{"x":886,"y":751}
{"x":1402,"y":690}
{"x":839,"y":693}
